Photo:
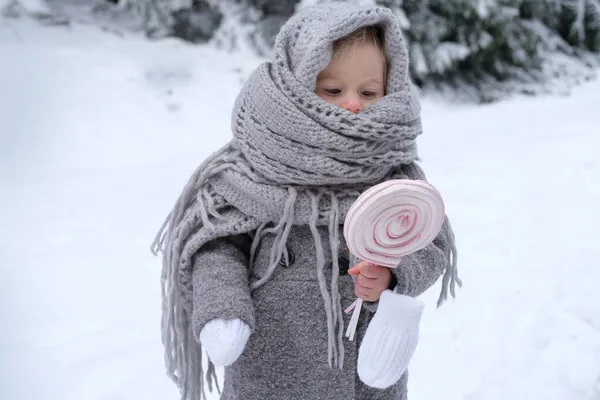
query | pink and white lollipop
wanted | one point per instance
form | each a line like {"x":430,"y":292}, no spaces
{"x":393,"y":219}
{"x":389,"y":221}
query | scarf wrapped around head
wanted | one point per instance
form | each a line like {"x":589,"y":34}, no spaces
{"x":294,"y":160}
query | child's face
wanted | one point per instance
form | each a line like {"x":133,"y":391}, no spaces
{"x":354,"y":79}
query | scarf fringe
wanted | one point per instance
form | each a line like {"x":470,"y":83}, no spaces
{"x":183,"y":354}
{"x":282,"y":231}
{"x":332,"y":303}
{"x":336,"y":304}
{"x":450,"y":279}
{"x":332,"y":351}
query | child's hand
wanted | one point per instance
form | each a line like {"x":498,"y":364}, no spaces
{"x":371,"y":280}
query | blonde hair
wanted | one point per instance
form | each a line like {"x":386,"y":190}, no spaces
{"x":372,"y":34}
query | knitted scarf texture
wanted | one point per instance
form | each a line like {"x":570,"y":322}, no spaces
{"x":294,"y":160}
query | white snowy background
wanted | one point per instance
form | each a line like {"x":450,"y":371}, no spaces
{"x":98,"y":134}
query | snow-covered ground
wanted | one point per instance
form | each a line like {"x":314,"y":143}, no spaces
{"x":98,"y":134}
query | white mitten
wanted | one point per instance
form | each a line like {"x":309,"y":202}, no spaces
{"x":390,"y":341}
{"x":224,"y":340}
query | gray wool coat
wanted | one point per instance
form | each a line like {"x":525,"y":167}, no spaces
{"x":286,"y":355}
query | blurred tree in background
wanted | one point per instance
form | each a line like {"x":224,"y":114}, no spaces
{"x":480,"y":50}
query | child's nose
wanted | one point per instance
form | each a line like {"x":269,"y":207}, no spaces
{"x":352,"y":104}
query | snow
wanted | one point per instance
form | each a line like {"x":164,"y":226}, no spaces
{"x":99,"y":133}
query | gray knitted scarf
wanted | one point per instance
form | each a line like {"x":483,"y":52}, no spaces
{"x":294,"y":160}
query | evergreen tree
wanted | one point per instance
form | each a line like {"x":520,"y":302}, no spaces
{"x":229,"y":23}
{"x":485,"y":49}
{"x":191,"y":20}
{"x":579,"y":23}
{"x":480,"y":49}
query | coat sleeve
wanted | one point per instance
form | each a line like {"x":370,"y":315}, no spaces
{"x":419,"y":271}
{"x":220,"y":282}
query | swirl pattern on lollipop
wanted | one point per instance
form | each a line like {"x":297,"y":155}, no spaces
{"x":393,"y":219}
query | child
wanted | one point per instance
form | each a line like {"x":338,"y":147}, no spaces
{"x":255,"y":267}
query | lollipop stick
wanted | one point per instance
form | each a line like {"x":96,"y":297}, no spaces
{"x":357,"y":306}
{"x":351,"y":307}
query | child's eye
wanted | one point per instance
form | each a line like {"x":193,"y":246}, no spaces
{"x":333,"y":91}
{"x":368,"y":93}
